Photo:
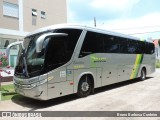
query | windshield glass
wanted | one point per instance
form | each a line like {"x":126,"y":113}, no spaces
{"x":56,"y":51}
{"x":34,"y":60}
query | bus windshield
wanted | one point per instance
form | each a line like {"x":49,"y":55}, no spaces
{"x":34,"y":60}
{"x":29,"y":62}
{"x":56,"y":52}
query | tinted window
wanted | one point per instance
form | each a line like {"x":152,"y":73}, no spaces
{"x":60,"y":49}
{"x":111,"y":44}
{"x":72,"y":38}
{"x":149,"y":48}
{"x":129,"y":46}
{"x":132,"y":46}
{"x":124,"y":46}
{"x":93,"y":43}
{"x":102,"y":43}
{"x":140,"y":47}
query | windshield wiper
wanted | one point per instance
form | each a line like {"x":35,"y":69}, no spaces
{"x":25,"y":70}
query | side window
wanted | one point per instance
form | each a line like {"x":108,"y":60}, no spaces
{"x":152,"y":48}
{"x":56,"y":51}
{"x":124,"y":46}
{"x":149,"y":48}
{"x":111,"y":44}
{"x":93,"y":43}
{"x":140,"y":47}
{"x":60,"y":49}
{"x":132,"y":46}
{"x":129,"y":46}
{"x":72,"y":38}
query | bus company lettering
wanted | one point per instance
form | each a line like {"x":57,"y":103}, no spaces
{"x":98,"y":59}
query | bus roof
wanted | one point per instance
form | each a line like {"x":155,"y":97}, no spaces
{"x":82,"y":27}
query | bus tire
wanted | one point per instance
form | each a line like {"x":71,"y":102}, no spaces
{"x":143,"y":74}
{"x":84,"y":86}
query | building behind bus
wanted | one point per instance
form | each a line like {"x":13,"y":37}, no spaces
{"x":19,"y":17}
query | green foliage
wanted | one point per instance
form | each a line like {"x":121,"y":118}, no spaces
{"x":9,"y":87}
{"x":7,"y":92}
{"x":3,"y":60}
{"x":157,"y":64}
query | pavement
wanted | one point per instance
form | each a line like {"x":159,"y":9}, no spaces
{"x":7,"y":78}
{"x":131,"y":95}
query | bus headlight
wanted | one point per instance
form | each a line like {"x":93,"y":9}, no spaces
{"x":39,"y":83}
{"x":42,"y":81}
{"x":34,"y":85}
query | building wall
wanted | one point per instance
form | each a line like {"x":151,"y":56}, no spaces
{"x":15,"y":28}
{"x":157,"y":48}
{"x":7,"y":22}
{"x":56,"y":12}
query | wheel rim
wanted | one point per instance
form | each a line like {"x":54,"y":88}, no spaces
{"x":85,"y":86}
{"x":143,"y":74}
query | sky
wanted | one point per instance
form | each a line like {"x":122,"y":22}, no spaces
{"x":139,"y":18}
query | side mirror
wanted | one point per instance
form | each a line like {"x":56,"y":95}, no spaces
{"x":13,"y":44}
{"x":41,"y":39}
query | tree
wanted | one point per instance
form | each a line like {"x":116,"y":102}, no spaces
{"x":3,"y":65}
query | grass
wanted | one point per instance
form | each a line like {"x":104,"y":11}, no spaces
{"x":7,"y":92}
{"x":157,"y":64}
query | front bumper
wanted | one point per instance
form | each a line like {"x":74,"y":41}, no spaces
{"x":38,"y":92}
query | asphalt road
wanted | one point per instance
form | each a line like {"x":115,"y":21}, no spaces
{"x":133,"y":95}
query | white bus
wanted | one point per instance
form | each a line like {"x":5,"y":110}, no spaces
{"x":65,"y":59}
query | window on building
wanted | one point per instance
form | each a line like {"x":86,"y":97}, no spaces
{"x":4,"y":42}
{"x":10,"y":9}
{"x":34,"y":16}
{"x":43,"y":15}
{"x":34,"y":12}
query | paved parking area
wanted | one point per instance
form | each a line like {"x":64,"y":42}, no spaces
{"x":127,"y":96}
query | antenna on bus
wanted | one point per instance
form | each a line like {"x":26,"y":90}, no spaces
{"x":95,"y":22}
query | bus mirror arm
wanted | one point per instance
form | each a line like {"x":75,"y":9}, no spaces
{"x":12,"y":44}
{"x":42,"y":38}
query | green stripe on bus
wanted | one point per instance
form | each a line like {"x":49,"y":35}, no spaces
{"x":138,"y":62}
{"x":137,"y":65}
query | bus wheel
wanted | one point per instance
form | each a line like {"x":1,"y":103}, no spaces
{"x":84,"y":87}
{"x":143,"y":74}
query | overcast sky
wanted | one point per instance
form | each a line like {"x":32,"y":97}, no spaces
{"x":125,"y":16}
